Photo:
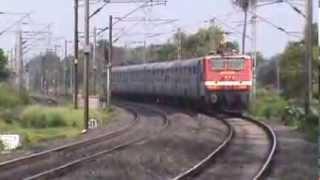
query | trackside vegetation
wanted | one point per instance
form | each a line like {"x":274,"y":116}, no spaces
{"x":37,"y":123}
{"x":270,"y":105}
{"x":9,"y":97}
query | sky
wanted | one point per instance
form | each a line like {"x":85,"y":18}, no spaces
{"x":190,"y":15}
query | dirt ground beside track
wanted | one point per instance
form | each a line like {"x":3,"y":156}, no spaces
{"x":187,"y":140}
{"x":296,"y":157}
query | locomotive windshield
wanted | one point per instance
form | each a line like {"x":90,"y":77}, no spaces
{"x":217,"y":64}
{"x":230,"y":64}
{"x":236,"y":64}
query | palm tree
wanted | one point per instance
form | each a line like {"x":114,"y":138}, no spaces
{"x":244,"y":5}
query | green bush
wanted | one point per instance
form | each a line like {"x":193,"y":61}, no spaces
{"x":268,"y":104}
{"x":295,"y":116}
{"x":43,"y":117}
{"x":310,"y":125}
{"x":9,"y":97}
{"x":41,"y":123}
{"x":8,"y":115}
{"x":25,"y":98}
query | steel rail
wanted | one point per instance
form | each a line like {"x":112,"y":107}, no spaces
{"x":61,"y":170}
{"x":199,"y":166}
{"x":46,"y":154}
{"x":267,"y":162}
{"x":272,"y":136}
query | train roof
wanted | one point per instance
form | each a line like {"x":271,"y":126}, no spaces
{"x":158,"y":65}
{"x":228,"y":56}
{"x":170,"y":64}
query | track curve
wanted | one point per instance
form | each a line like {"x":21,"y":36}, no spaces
{"x":68,"y":166}
{"x":20,"y":167}
{"x":233,"y":162}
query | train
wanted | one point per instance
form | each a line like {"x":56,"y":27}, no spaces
{"x":220,"y":81}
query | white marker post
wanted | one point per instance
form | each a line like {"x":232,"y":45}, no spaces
{"x":10,"y":142}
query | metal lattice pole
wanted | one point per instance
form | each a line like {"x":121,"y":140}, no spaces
{"x":76,"y":55}
{"x":86,"y":65}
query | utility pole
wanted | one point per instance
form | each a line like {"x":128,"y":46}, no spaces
{"x":308,"y":57}
{"x":144,"y":51}
{"x":254,"y":46}
{"x":43,"y":76}
{"x":244,"y":33}
{"x":245,"y":6}
{"x":8,"y":58}
{"x":76,"y":54}
{"x":20,"y":61}
{"x":278,"y":75}
{"x":179,"y":44}
{"x":86,"y":65}
{"x":12,"y":61}
{"x":15,"y":61}
{"x":109,"y":66}
{"x":105,"y":69}
{"x":94,"y":57}
{"x":65,"y":66}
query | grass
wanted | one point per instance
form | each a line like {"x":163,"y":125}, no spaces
{"x":269,"y":105}
{"x":39,"y":123}
{"x":10,"y":98}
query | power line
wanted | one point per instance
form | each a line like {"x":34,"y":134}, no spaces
{"x":230,"y":27}
{"x":159,"y":2}
{"x":105,"y":2}
{"x":98,"y":10}
{"x":295,"y":8}
{"x":125,"y":16}
{"x":274,"y":25}
{"x":14,"y":24}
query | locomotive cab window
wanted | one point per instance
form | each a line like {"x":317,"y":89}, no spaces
{"x":231,"y":64}
{"x":217,"y":64}
{"x":236,"y":64}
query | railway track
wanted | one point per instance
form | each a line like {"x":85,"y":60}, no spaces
{"x":21,"y":167}
{"x":231,"y":159}
{"x":61,"y":160}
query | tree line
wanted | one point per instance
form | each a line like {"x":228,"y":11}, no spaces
{"x":290,"y":65}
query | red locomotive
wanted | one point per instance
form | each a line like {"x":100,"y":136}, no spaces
{"x":221,"y":80}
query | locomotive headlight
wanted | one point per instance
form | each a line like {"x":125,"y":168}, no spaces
{"x":213,"y":98}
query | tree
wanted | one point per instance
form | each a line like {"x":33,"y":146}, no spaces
{"x":4,"y":73}
{"x":291,"y":63}
{"x":194,"y":45}
{"x":266,"y":71}
{"x":46,"y":70}
{"x":203,"y":42}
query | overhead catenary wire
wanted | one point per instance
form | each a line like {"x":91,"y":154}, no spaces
{"x":125,"y":16}
{"x":128,"y":14}
{"x":105,"y":2}
{"x":14,"y":24}
{"x":295,"y":8}
{"x":229,"y":27}
{"x":289,"y":33}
